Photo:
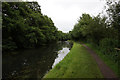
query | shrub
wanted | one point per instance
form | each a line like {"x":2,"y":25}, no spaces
{"x":107,"y":46}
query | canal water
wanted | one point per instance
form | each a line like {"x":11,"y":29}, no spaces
{"x":33,"y":63}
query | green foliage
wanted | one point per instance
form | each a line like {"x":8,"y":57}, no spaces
{"x":90,"y":29}
{"x":107,"y":47}
{"x":8,"y":44}
{"x":114,"y":13}
{"x":114,"y":16}
{"x":63,"y":36}
{"x":27,"y":27}
{"x":103,"y":32}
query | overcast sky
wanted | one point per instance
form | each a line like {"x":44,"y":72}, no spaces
{"x":65,"y":13}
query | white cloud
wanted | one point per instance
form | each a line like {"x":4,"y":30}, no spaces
{"x":65,"y":13}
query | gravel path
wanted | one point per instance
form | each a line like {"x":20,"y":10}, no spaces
{"x":106,"y":71}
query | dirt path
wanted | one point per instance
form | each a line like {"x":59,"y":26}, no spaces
{"x":106,"y":71}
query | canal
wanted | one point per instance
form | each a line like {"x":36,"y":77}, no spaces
{"x":33,"y":63}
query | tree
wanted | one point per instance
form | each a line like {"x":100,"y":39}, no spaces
{"x":24,"y":26}
{"x":114,"y":16}
{"x":90,"y":29}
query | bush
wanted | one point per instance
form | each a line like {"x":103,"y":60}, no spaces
{"x":107,"y":46}
{"x":8,"y":45}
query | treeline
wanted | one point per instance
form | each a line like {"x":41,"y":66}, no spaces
{"x":24,"y":26}
{"x":103,"y":32}
{"x":63,"y":36}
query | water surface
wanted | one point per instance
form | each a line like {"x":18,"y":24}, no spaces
{"x":33,"y":63}
{"x":61,"y":54}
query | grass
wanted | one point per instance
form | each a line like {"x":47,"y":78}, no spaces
{"x":77,"y":64}
{"x":110,"y":63}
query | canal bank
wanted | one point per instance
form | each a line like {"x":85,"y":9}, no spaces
{"x":77,"y":64}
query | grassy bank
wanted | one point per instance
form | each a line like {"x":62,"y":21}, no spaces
{"x":77,"y":64}
{"x":109,"y":62}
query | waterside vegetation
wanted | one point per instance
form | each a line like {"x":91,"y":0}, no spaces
{"x":77,"y":64}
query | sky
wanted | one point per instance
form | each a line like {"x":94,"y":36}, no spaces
{"x":65,"y":13}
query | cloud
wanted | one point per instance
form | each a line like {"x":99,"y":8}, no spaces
{"x":65,"y":13}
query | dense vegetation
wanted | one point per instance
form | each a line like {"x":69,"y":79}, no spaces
{"x":101,"y":31}
{"x":24,"y":26}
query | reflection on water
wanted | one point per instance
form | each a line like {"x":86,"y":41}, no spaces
{"x":32,"y":63}
{"x":61,"y":54}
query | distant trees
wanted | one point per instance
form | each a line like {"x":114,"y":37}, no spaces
{"x":24,"y":26}
{"x":63,"y":36}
